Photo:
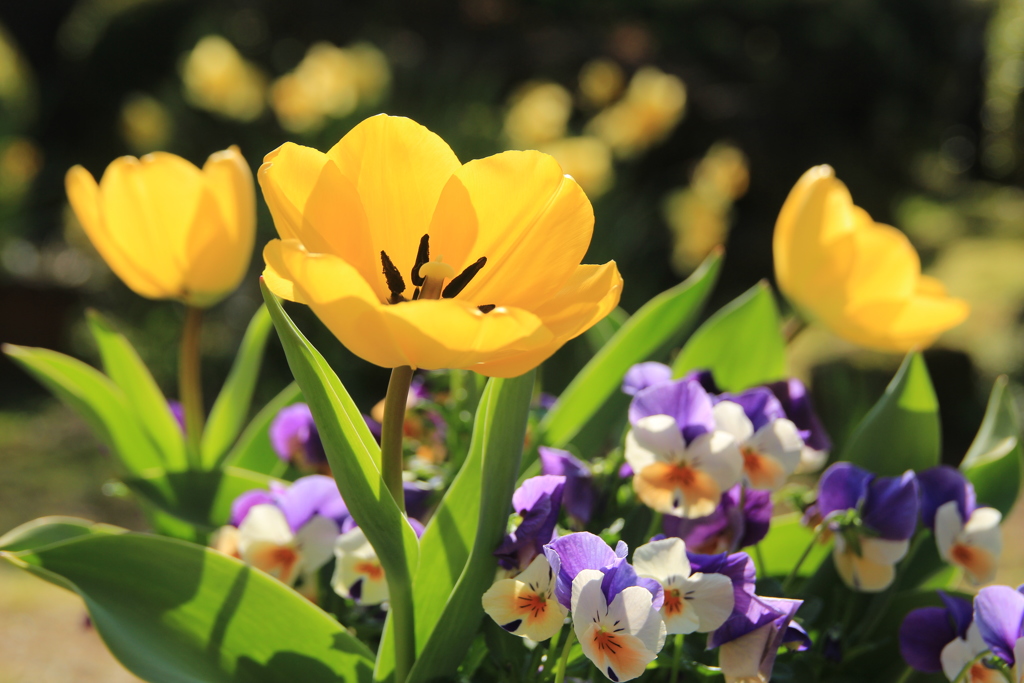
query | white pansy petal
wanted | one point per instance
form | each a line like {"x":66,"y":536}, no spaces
{"x":587,"y":601}
{"x":717,"y":454}
{"x":1018,"y":655}
{"x":711,"y":598}
{"x":731,"y":419}
{"x":316,"y":539}
{"x":954,"y":657}
{"x":948,"y":525}
{"x":373,"y":591}
{"x":636,"y":455}
{"x":660,"y":435}
{"x":974,"y":640}
{"x":679,"y":616}
{"x":264,"y":524}
{"x":983,"y":522}
{"x":781,"y":440}
{"x":619,"y":656}
{"x":523,"y":611}
{"x":811,"y":460}
{"x":633,"y":611}
{"x":661,"y":559}
{"x":740,"y":659}
{"x":883,"y":551}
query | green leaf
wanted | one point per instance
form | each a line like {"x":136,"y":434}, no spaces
{"x":902,"y":430}
{"x":100,"y":402}
{"x":175,"y":612}
{"x":605,"y":328}
{"x":786,"y":542}
{"x":47,"y":531}
{"x":655,"y":328}
{"x":741,"y":343}
{"x":442,"y":638}
{"x":253,"y":450}
{"x":353,"y":455}
{"x":232,"y":405}
{"x":124,"y":366}
{"x":993,"y":462}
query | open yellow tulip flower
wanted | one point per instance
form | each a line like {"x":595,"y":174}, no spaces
{"x":860,"y":278}
{"x":412,"y":258}
{"x":168,"y":229}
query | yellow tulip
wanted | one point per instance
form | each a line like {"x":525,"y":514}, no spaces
{"x":168,"y":229}
{"x":375,"y":230}
{"x":860,"y":278}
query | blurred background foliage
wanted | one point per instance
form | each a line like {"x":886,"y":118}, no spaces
{"x":686,"y":121}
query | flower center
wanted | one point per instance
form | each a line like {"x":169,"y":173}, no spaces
{"x":428,"y":277}
{"x":533,"y":603}
{"x":370,"y":569}
{"x":673,"y":602}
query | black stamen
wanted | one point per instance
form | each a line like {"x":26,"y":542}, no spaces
{"x":486,"y":308}
{"x":422,"y":256}
{"x":416,"y":294}
{"x":459,"y":282}
{"x":393,"y":277}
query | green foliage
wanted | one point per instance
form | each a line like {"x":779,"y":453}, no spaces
{"x":659,"y":324}
{"x":786,"y":542}
{"x":50,"y":530}
{"x":175,"y":612}
{"x":993,"y":462}
{"x":253,"y":450}
{"x":741,"y":344}
{"x":902,"y":430}
{"x":227,"y":416}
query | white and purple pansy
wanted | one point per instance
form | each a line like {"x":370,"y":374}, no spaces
{"x":999,"y":614}
{"x":741,"y":519}
{"x":681,"y":462}
{"x":694,"y":601}
{"x":946,"y":640}
{"x":749,"y":640}
{"x":796,"y":402}
{"x":872,"y":519}
{"x":537,"y":502}
{"x":769,"y":441}
{"x":525,"y":605}
{"x":358,"y":573}
{"x":579,"y":495}
{"x":295,"y":439}
{"x":966,"y":535}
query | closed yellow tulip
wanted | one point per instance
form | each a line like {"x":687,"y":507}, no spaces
{"x":168,"y":229}
{"x":860,"y":278}
{"x":412,"y":258}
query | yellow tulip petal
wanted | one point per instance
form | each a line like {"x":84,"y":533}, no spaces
{"x":591,"y":294}
{"x":532,"y":223}
{"x":929,"y":286}
{"x":904,"y":325}
{"x":230,"y":179}
{"x":313,"y":202}
{"x":84,"y":196}
{"x":885,"y":265}
{"x":398,"y":168}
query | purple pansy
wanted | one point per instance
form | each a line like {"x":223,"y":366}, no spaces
{"x":749,"y":643}
{"x":730,"y":527}
{"x":887,"y":505}
{"x":759,"y":404}
{"x":740,"y":570}
{"x":579,"y":495}
{"x":940,"y":485}
{"x":796,"y":402}
{"x":999,"y":613}
{"x":571,"y":554}
{"x":926,"y":631}
{"x":537,"y":502}
{"x":643,"y":375}
{"x":686,"y":401}
{"x":294,"y":437}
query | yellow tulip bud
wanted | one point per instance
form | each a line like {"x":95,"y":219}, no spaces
{"x":168,"y":229}
{"x":860,"y":278}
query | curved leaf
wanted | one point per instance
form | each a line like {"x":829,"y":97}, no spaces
{"x":100,"y":402}
{"x":49,"y":530}
{"x":175,"y":612}
{"x":741,"y":344}
{"x":232,"y":404}
{"x":253,"y":450}
{"x":993,"y":462}
{"x":902,"y":430}
{"x":124,"y":366}
{"x":655,"y":328}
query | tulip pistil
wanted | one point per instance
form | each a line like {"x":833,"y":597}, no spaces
{"x":428,"y":277}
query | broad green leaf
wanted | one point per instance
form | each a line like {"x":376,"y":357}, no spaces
{"x":902,"y":430}
{"x":232,"y":404}
{"x":47,"y":531}
{"x":741,"y":344}
{"x":124,"y":366}
{"x":253,"y":450}
{"x":786,"y":542}
{"x":443,"y":638}
{"x":200,"y":497}
{"x":993,"y":462}
{"x":655,"y":328}
{"x":176,"y":612}
{"x":353,"y":455}
{"x":100,"y":402}
{"x":605,"y":328}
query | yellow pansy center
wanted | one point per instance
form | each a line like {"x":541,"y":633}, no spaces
{"x":428,"y":277}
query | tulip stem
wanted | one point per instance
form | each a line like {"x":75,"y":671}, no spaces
{"x":190,"y":387}
{"x":391,"y":432}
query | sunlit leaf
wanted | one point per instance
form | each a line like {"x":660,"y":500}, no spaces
{"x":993,"y":462}
{"x":253,"y":450}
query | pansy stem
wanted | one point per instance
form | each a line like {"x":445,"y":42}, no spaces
{"x":793,"y":326}
{"x":391,"y":432}
{"x":563,"y":661}
{"x":654,"y":527}
{"x":677,"y":658}
{"x":787,"y":585}
{"x":190,"y":387}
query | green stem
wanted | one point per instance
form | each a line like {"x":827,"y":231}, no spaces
{"x":881,"y":602}
{"x":905,"y":676}
{"x":391,"y":432}
{"x":759,"y":554}
{"x":654,"y":527}
{"x":677,"y":659}
{"x":792,"y":327}
{"x":190,"y":387}
{"x":405,"y":631}
{"x":563,"y":661}
{"x":788,"y":583}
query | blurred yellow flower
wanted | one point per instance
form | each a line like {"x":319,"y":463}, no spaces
{"x":329,"y":82}
{"x":587,"y":160}
{"x":859,"y":278}
{"x":217,"y":78}
{"x":145,"y":123}
{"x":600,"y":82}
{"x":20,"y":162}
{"x":654,"y":103}
{"x":538,"y":114}
{"x":168,"y":229}
{"x":507,"y":234}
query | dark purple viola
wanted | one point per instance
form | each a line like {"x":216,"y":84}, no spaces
{"x":742,"y":519}
{"x":295,"y":438}
{"x":740,"y":570}
{"x":748,"y":643}
{"x":796,"y":402}
{"x":571,"y":554}
{"x":940,"y":485}
{"x":926,"y":631}
{"x":888,"y":506}
{"x":579,"y":495}
{"x":537,"y":502}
